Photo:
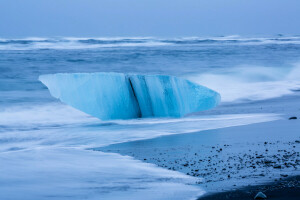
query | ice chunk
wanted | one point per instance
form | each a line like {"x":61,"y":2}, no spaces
{"x":120,"y":96}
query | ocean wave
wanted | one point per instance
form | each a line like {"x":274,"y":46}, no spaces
{"x":35,"y":43}
{"x":244,"y":83}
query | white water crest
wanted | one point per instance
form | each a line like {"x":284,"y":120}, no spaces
{"x":73,"y":43}
{"x":251,"y":82}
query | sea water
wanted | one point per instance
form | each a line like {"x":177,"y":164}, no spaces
{"x":45,"y":149}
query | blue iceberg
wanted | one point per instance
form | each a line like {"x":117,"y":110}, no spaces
{"x":120,"y":96}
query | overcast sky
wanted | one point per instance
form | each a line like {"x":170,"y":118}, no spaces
{"x":84,"y":18}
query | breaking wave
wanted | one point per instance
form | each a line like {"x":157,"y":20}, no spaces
{"x":252,"y":83}
{"x":113,"y":42}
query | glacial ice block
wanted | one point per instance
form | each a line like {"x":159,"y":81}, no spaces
{"x":120,"y":96}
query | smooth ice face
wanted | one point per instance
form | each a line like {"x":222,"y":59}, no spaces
{"x":119,"y":96}
{"x":160,"y":96}
{"x":102,"y":95}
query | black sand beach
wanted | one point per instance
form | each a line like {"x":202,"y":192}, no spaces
{"x":226,"y":159}
{"x":288,"y":188}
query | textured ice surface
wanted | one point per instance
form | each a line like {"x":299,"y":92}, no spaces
{"x":103,"y":95}
{"x":120,"y":96}
{"x":162,"y":96}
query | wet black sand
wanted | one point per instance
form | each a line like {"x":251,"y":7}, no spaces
{"x":228,"y":158}
{"x":286,"y":189}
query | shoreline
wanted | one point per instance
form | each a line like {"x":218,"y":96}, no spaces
{"x":287,"y":188}
{"x":226,"y":158}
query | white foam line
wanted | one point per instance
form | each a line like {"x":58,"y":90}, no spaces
{"x":194,"y":119}
{"x":74,"y":42}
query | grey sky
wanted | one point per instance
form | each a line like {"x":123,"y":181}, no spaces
{"x":82,"y":18}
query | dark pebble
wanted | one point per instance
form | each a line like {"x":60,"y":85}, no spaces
{"x":260,"y":195}
{"x":277,"y":166}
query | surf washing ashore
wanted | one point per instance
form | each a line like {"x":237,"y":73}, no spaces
{"x":247,"y":144}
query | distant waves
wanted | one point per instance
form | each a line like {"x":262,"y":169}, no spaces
{"x":113,"y":42}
